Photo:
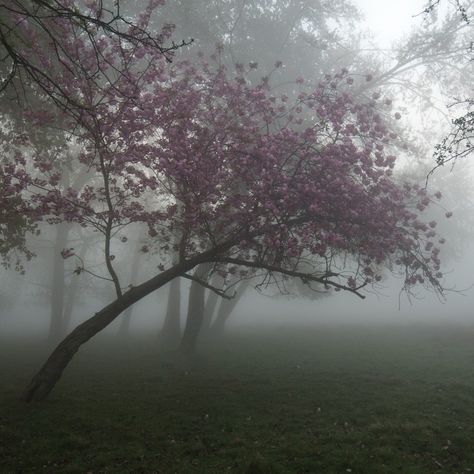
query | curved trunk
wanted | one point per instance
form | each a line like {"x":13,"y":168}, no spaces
{"x":47,"y":377}
{"x":44,"y":381}
{"x":195,"y":310}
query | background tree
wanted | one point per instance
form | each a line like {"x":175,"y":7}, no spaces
{"x":458,"y":143}
{"x":316,"y":38}
{"x":311,"y":178}
{"x":322,"y":37}
{"x":135,"y":261}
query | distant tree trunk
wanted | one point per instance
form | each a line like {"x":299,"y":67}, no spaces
{"x":170,"y":333}
{"x":56,"y":328}
{"x":70,"y":301}
{"x":195,"y":315}
{"x":124,"y":329}
{"x":211,"y":302}
{"x":72,"y":293}
{"x":225,"y":309}
{"x":60,"y":315}
{"x":44,"y":381}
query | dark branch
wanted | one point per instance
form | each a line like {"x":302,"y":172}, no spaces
{"x":111,"y":23}
{"x":305,"y":277}
{"x":221,"y":293}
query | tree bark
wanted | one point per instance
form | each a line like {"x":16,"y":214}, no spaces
{"x":195,"y":311}
{"x":226,"y":308}
{"x":171,"y":331}
{"x":47,"y":377}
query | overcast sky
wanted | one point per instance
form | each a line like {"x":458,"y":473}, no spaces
{"x":390,"y":19}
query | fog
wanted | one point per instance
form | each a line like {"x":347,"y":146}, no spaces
{"x":382,"y":29}
{"x":236,"y":236}
{"x":28,"y":313}
{"x":145,"y":193}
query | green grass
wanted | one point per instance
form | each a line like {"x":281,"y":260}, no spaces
{"x":309,"y":400}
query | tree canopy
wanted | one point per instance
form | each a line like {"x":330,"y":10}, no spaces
{"x":218,"y":169}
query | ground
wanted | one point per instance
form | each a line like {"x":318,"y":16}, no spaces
{"x":323,"y":399}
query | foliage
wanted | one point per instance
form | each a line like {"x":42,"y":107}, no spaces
{"x":28,"y":80}
{"x":15,"y":218}
{"x":44,"y":23}
{"x":242,"y":177}
{"x":260,"y":185}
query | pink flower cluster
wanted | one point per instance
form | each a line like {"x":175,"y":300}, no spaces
{"x":191,"y":149}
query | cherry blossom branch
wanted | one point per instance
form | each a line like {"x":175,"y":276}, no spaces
{"x":110,"y":23}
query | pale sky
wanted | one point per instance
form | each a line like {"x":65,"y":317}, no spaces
{"x":390,"y":19}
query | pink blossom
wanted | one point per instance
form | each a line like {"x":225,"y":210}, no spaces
{"x":193,"y":153}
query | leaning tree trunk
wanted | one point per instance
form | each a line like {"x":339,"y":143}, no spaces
{"x":47,"y":377}
{"x":195,"y":311}
{"x":124,"y":328}
{"x":44,"y":381}
{"x":225,"y":309}
{"x":56,"y":328}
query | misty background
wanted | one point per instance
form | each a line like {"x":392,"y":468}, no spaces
{"x":366,"y":36}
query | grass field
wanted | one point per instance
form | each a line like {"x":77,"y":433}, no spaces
{"x":324,"y":399}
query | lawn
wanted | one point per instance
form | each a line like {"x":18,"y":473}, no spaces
{"x":322,"y":399}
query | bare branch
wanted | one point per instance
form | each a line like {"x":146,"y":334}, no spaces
{"x":221,"y":293}
{"x":324,"y":279}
